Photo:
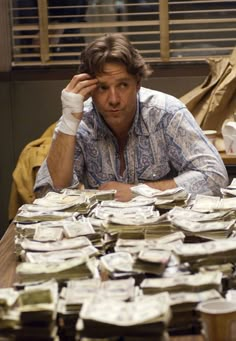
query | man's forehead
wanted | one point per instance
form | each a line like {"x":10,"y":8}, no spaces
{"x":114,"y":77}
{"x":111,"y":79}
{"x":113,"y":69}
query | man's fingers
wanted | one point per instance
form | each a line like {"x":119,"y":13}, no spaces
{"x":79,"y":82}
{"x":85,"y":87}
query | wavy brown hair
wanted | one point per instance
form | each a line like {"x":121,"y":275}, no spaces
{"x":110,"y":48}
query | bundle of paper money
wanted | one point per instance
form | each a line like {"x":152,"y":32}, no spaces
{"x":185,"y":317}
{"x":145,"y":316}
{"x":208,"y":253}
{"x":8,"y":297}
{"x":51,"y":231}
{"x":67,"y":201}
{"x":78,"y":292}
{"x":61,"y":271}
{"x":166,"y":199}
{"x":152,"y":261}
{"x":207,"y":203}
{"x":203,"y":226}
{"x":218,"y":229}
{"x":230,"y":190}
{"x":31,"y":312}
{"x":190,"y":214}
{"x":132,"y":246}
{"x":9,"y":317}
{"x":59,"y":256}
{"x":66,"y":320}
{"x":9,"y":323}
{"x":150,"y":192}
{"x":37,"y":308}
{"x":26,"y":216}
{"x":137,"y":201}
{"x":117,"y":265}
{"x":41,"y":246}
{"x":55,"y":206}
{"x":130,"y":222}
{"x":161,"y":228}
{"x":99,"y":195}
{"x":194,"y":282}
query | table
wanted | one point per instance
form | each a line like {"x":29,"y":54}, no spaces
{"x":228,"y":159}
{"x":230,"y":164}
{"x":8,"y":260}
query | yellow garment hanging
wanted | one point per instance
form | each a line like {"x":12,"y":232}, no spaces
{"x":26,"y":169}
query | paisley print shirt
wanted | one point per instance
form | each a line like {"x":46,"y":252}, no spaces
{"x":164,"y":142}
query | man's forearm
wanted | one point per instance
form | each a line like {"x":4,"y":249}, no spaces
{"x":60,"y":160}
{"x":123,"y":190}
{"x":162,"y":184}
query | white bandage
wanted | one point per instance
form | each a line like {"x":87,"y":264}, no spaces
{"x":71,"y":103}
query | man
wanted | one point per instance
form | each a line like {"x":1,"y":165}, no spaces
{"x":114,"y":134}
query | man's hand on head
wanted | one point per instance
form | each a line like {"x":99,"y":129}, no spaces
{"x":72,"y":97}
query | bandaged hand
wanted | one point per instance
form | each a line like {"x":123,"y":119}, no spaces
{"x":72,"y":103}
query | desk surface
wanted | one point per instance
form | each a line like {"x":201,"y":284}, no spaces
{"x":228,"y":159}
{"x":8,"y":259}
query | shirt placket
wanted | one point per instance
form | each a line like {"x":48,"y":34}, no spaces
{"x":131,"y":160}
{"x":114,"y":157}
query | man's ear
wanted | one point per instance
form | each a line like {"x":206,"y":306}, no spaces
{"x":138,"y":86}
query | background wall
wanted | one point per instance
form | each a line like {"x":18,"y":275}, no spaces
{"x":30,"y":102}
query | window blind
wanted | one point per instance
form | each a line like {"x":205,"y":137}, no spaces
{"x":53,"y":32}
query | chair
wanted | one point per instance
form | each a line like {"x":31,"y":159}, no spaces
{"x":24,"y":174}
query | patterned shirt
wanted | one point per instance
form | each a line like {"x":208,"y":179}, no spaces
{"x":164,"y":142}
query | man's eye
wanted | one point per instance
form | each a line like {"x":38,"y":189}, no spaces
{"x":102,"y":87}
{"x":123,"y":85}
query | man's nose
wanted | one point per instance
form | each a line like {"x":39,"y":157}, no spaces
{"x":114,"y":97}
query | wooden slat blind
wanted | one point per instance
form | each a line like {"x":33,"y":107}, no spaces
{"x":52,"y":32}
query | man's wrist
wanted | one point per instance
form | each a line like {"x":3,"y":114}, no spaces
{"x":162,"y":185}
{"x":68,"y":124}
{"x":72,"y":106}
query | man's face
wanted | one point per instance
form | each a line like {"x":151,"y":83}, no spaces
{"x":115,"y":96}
